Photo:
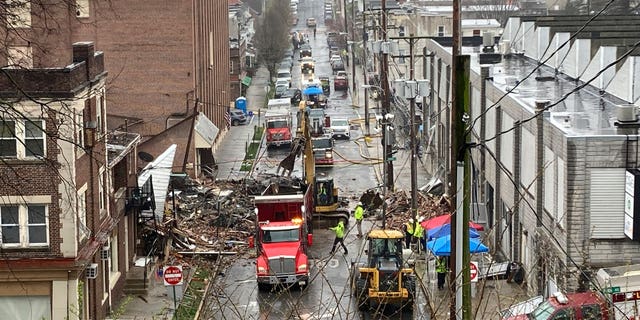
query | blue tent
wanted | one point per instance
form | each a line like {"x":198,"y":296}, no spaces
{"x":445,"y":230}
{"x":312,"y":90}
{"x":442,"y":246}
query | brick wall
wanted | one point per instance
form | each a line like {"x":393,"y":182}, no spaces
{"x":155,"y":61}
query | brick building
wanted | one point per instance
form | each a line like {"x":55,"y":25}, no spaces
{"x":60,"y":203}
{"x":166,"y":56}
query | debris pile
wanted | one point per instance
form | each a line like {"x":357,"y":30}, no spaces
{"x":398,"y":209}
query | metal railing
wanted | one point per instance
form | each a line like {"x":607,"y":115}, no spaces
{"x":151,"y":252}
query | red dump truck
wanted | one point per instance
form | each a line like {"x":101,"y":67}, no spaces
{"x":278,"y":123}
{"x":618,"y":298}
{"x":283,"y":235}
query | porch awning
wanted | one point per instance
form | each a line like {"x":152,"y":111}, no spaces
{"x":206,"y":132}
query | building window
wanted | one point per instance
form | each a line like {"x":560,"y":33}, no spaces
{"x":8,"y":139}
{"x":476,"y":33}
{"x":19,"y":57}
{"x":401,"y":54}
{"x":34,"y":138}
{"x":79,"y":129}
{"x":401,"y":31}
{"x":24,"y":225}
{"x":114,"y":253}
{"x":210,"y":49}
{"x":82,"y":8}
{"x":231,"y":67}
{"x":440,"y":31}
{"x":83,"y":230}
{"x":98,"y":115}
{"x":22,"y":139}
{"x":101,"y":202}
{"x":18,"y":13}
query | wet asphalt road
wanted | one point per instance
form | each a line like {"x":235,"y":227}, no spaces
{"x":328,"y":295}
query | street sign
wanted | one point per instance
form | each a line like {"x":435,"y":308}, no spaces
{"x":172,"y":275}
{"x":611,"y":290}
{"x":473,"y":271}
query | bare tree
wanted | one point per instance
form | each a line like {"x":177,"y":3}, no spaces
{"x":272,"y":35}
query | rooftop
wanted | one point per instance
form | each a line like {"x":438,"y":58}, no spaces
{"x":537,"y":42}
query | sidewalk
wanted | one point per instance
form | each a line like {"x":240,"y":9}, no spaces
{"x":230,"y":152}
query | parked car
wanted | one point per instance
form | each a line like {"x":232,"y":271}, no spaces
{"x":286,"y":63}
{"x":284,"y":74}
{"x":335,"y":58}
{"x":340,"y":81}
{"x":311,"y":22}
{"x":282,"y":82}
{"x":337,"y":66}
{"x":280,"y":91}
{"x":294,"y":94}
{"x":237,"y":117}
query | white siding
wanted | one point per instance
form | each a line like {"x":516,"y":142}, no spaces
{"x":561,"y":216}
{"x":475,"y":108}
{"x":528,"y":170}
{"x":506,"y":142}
{"x":549,"y":181}
{"x":607,"y":203}
{"x":490,"y":123}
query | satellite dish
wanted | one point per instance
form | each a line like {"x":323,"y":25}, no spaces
{"x":145,"y":156}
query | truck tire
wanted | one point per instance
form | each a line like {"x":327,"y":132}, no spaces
{"x":264,"y":287}
{"x":410,"y":285}
{"x":361,"y":293}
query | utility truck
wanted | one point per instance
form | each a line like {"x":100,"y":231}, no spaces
{"x":278,"y":123}
{"x":282,"y":238}
{"x":617,"y":297}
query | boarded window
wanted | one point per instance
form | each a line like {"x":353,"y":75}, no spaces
{"x":607,"y":203}
{"x":18,"y":13}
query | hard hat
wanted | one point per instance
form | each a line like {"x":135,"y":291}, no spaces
{"x":421,"y":219}
{"x":359,"y":203}
{"x":411,"y":220}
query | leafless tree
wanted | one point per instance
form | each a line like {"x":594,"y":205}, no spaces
{"x":272,"y":35}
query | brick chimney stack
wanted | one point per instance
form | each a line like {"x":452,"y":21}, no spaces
{"x":84,"y":51}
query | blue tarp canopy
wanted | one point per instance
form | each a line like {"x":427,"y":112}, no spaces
{"x":442,"y":246}
{"x":445,"y":230}
{"x":312,"y":90}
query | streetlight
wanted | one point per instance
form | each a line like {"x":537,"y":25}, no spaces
{"x":386,"y":120}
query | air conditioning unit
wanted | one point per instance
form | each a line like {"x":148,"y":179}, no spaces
{"x":92,"y":271}
{"x":105,"y":253}
{"x":627,"y":113}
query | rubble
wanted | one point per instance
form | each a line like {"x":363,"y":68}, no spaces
{"x":216,"y":218}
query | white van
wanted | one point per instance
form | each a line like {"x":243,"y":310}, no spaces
{"x":284,"y":74}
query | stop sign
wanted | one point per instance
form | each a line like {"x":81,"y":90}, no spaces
{"x":172,"y":275}
{"x":473,"y":271}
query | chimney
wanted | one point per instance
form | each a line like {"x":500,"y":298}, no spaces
{"x":84,"y":51}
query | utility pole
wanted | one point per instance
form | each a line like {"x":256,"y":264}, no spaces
{"x":365,"y":63}
{"x":386,"y":107}
{"x":353,"y":46}
{"x":344,"y":14}
{"x":412,"y":121}
{"x":457,"y":134}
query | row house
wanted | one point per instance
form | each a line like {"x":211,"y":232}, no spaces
{"x":557,"y":141}
{"x":65,"y":239}
{"x":242,"y":55}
